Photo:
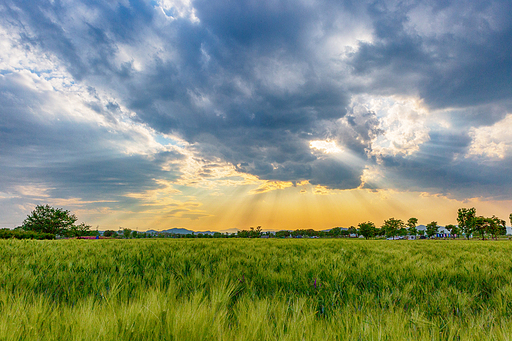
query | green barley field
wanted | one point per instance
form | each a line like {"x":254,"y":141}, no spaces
{"x":255,"y":289}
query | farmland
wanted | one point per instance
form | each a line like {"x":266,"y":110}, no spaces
{"x":253,"y":289}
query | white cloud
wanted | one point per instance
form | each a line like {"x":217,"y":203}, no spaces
{"x":326,"y":147}
{"x":33,"y":191}
{"x":174,"y":9}
{"x":493,"y":142}
{"x":403,"y":122}
{"x":456,"y":19}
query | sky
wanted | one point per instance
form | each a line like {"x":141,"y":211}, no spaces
{"x":222,"y":115}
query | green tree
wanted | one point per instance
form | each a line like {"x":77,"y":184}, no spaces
{"x":466,"y":220}
{"x":352,"y":230}
{"x":496,"y":227}
{"x":392,"y":226}
{"x":127,"y":233}
{"x":344,"y":233}
{"x":380,"y":232}
{"x":251,"y":233}
{"x":47,"y":219}
{"x":367,"y":229}
{"x":502,"y":227}
{"x":283,"y":234}
{"x":432,"y":228}
{"x":481,"y":226}
{"x":110,"y":233}
{"x":453,"y":229}
{"x":411,"y":226}
{"x":334,"y":232}
{"x":242,"y":234}
{"x":510,"y":217}
{"x":255,"y":232}
{"x":135,"y":234}
{"x":81,"y":229}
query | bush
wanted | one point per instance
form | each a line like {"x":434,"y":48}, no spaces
{"x":18,"y":234}
{"x":110,"y":233}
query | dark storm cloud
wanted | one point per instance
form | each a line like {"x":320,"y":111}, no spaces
{"x":466,"y":62}
{"x":251,"y":82}
{"x":440,"y":167}
{"x":482,"y":115}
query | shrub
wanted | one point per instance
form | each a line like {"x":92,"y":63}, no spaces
{"x":17,"y":234}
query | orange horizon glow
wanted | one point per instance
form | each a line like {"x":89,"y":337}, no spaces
{"x":295,"y":207}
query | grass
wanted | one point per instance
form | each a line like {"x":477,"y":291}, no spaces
{"x":255,"y":290}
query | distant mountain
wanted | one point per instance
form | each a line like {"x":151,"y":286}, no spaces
{"x":231,"y":230}
{"x":342,"y":228}
{"x":179,"y":231}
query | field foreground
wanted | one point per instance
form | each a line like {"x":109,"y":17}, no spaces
{"x":231,"y":289}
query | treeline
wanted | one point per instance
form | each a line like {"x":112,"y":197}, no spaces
{"x":131,"y":234}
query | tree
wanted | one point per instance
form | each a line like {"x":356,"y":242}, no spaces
{"x":81,"y":229}
{"x":352,"y":230}
{"x":242,"y":234}
{"x":251,"y":233}
{"x":48,"y":219}
{"x":496,"y":227}
{"x":367,"y":229}
{"x":110,"y":233}
{"x":380,"y":232}
{"x":481,"y":226}
{"x":344,"y":233}
{"x":432,"y":228}
{"x":454,"y":230}
{"x":283,"y":234}
{"x":255,"y":232}
{"x":334,"y":232}
{"x":510,"y":217}
{"x":466,"y":220}
{"x":127,"y":233}
{"x":502,"y":227}
{"x":402,"y":232}
{"x":392,"y":226}
{"x":411,"y":226}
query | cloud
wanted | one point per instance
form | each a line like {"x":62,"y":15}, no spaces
{"x":440,"y":166}
{"x":211,"y":86}
{"x":104,"y":100}
{"x":402,"y":126}
{"x":492,"y":142}
{"x":268,"y":186}
{"x":454,"y":55}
